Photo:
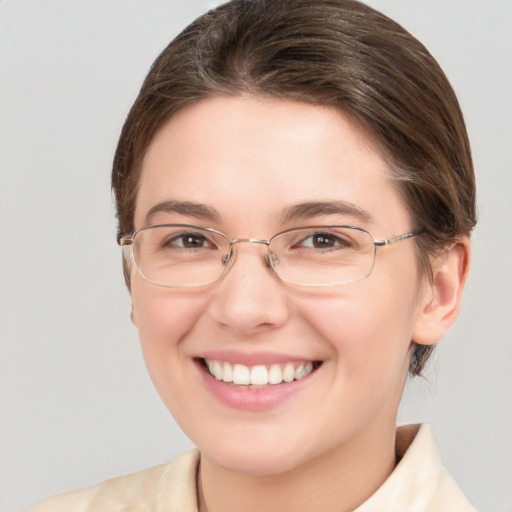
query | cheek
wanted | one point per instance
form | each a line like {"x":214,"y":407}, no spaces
{"x":162,"y":313}
{"x":368,"y":328}
{"x":163,"y":317}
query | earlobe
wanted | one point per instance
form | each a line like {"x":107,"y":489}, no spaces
{"x":133,"y":316}
{"x":442,"y":300}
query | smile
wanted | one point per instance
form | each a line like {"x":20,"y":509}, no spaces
{"x":258,"y":375}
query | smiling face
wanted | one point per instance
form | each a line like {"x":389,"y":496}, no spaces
{"x":250,"y":168}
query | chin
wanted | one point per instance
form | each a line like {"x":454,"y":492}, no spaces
{"x":255,"y":462}
{"x":257,"y":455}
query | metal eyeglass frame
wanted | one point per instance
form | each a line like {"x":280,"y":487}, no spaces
{"x":125,"y":240}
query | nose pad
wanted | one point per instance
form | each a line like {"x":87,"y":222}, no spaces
{"x":272,"y":260}
{"x":227,"y":261}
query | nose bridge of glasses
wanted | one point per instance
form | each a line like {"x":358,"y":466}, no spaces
{"x":250,"y":241}
{"x":259,"y":241}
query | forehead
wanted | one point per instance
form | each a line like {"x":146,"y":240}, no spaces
{"x":251,"y":158}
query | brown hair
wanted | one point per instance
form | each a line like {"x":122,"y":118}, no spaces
{"x":330,"y":52}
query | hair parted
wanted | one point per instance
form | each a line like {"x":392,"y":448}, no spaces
{"x":340,"y":53}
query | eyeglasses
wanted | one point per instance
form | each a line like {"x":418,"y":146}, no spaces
{"x":182,"y":255}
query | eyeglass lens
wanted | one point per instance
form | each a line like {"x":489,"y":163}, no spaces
{"x":187,"y":256}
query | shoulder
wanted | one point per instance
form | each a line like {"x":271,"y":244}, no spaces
{"x":166,"y":487}
{"x":419,"y":482}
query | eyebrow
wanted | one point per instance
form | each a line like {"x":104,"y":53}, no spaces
{"x":317,"y":208}
{"x":196,"y":210}
{"x":299,"y":211}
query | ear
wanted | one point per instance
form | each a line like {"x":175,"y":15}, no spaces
{"x":441,"y":299}
{"x":133,"y":316}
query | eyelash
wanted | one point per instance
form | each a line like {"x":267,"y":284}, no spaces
{"x":339,"y":241}
{"x":170,"y":241}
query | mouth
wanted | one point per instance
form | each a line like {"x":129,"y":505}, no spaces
{"x":258,"y":376}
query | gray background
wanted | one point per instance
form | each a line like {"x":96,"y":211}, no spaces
{"x":76,"y":405}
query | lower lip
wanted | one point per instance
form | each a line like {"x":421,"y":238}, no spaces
{"x":245,"y":398}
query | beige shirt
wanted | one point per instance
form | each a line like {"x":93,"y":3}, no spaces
{"x":419,"y":483}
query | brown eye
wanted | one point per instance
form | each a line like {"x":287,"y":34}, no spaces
{"x":188,"y":241}
{"x":325,"y":240}
{"x":322,"y":240}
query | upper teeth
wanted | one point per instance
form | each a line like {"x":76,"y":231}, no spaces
{"x":259,"y":375}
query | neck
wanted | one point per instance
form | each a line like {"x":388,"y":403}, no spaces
{"x":340,"y":480}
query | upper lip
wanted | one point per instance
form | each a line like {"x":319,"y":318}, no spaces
{"x":252,"y":358}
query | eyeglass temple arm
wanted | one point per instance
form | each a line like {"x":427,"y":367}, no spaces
{"x":389,"y":241}
{"x":123,"y":240}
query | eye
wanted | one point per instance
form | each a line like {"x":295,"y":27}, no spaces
{"x":188,"y":241}
{"x":326,"y":240}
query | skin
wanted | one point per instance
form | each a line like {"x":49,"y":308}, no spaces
{"x":331,"y":444}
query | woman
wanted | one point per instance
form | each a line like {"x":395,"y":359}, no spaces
{"x":295,"y":193}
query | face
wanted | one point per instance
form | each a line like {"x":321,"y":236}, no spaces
{"x":247,"y":162}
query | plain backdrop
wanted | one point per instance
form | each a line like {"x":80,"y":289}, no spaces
{"x":76,"y":405}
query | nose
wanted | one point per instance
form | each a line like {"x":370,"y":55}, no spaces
{"x":250,"y":298}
